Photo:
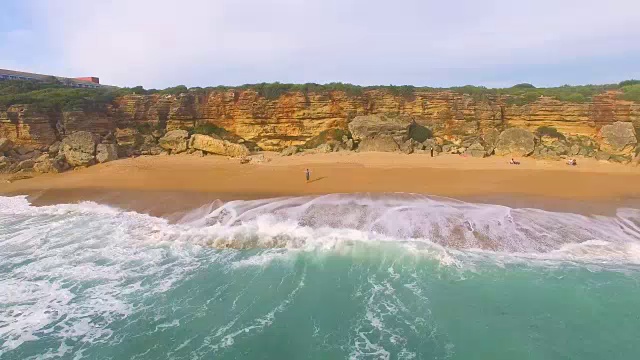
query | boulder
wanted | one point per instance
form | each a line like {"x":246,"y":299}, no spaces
{"x":574,"y":150}
{"x":106,"y":152}
{"x":258,"y":159}
{"x":348,"y":144}
{"x":324,"y":148}
{"x":490,"y":139}
{"x":23,"y":150}
{"x":371,"y":126}
{"x":4,"y":162}
{"x":5,"y":145}
{"x":26,"y":164}
{"x":619,"y":138}
{"x":79,"y":148}
{"x":432,"y":144}
{"x":157,"y":134}
{"x":215,"y":145}
{"x":46,"y":164}
{"x":515,"y":141}
{"x":291,"y":150}
{"x":476,"y":150}
{"x":54,"y":149}
{"x":384,"y":143}
{"x":149,"y":146}
{"x":175,"y":141}
{"x":409,"y":146}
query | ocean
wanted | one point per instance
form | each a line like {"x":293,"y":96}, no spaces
{"x":392,"y":276}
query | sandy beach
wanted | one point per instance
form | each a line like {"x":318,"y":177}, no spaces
{"x":164,"y":184}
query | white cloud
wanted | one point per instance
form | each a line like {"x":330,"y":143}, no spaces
{"x":159,"y":43}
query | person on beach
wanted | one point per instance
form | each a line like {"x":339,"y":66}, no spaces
{"x":307,"y":174}
{"x":431,"y":151}
{"x":513,"y":162}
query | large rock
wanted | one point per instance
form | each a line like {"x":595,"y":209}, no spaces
{"x":175,"y":141}
{"x":490,"y":139}
{"x":5,"y":145}
{"x":46,"y":164}
{"x":619,"y":138}
{"x":215,"y":145}
{"x":26,"y":164}
{"x":54,"y":149}
{"x":79,"y":148}
{"x":384,"y":143}
{"x":150,"y":146}
{"x":291,"y":150}
{"x":476,"y":150}
{"x":372,"y":126}
{"x":516,"y":142}
{"x":106,"y":152}
{"x":4,"y":162}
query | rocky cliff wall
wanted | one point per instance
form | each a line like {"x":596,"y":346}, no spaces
{"x":294,"y":118}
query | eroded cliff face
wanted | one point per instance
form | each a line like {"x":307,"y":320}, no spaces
{"x":294,"y":118}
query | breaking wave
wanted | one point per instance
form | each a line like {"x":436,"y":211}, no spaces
{"x":78,"y":274}
{"x":340,"y":222}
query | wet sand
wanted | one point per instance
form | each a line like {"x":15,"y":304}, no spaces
{"x":166,"y":185}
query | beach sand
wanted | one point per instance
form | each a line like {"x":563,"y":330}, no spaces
{"x":163,"y":185}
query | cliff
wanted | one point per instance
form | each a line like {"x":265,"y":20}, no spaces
{"x":294,"y":118}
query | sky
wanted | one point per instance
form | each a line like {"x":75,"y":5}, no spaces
{"x":161,"y":43}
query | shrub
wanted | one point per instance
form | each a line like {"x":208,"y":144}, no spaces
{"x":208,"y":129}
{"x":631,"y":93}
{"x":420,"y":133}
{"x":575,"y":98}
{"x":549,"y":131}
{"x":180,"y":89}
{"x":629,"y":82}
{"x":523,"y":86}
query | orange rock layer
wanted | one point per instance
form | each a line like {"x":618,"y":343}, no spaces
{"x":294,"y":118}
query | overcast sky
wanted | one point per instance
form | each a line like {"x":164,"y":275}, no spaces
{"x":160,"y":43}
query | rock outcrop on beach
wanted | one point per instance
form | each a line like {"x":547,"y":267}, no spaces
{"x":215,"y":145}
{"x":239,"y":121}
{"x":516,"y":142}
{"x":79,"y":148}
{"x":619,"y":138}
{"x":175,"y":141}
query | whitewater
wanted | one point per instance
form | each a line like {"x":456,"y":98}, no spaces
{"x":364,"y":276}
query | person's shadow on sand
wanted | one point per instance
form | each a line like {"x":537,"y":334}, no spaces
{"x":316,"y":179}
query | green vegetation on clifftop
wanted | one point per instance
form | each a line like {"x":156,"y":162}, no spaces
{"x":54,"y":96}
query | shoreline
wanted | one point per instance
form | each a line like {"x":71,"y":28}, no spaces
{"x":166,"y":185}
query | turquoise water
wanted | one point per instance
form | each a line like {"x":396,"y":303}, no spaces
{"x":335,"y":277}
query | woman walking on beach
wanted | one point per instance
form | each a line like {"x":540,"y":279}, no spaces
{"x":307,"y":174}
